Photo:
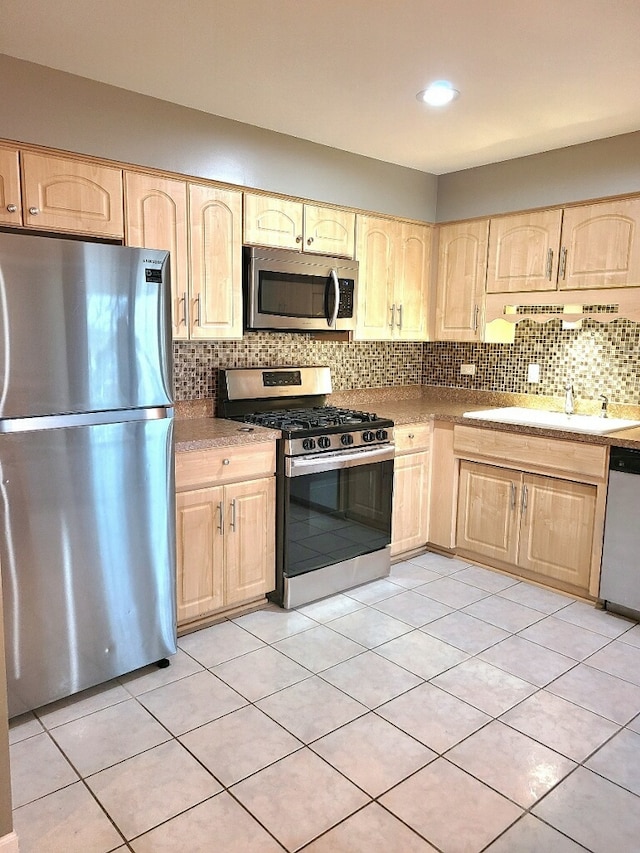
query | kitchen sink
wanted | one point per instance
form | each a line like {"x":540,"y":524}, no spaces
{"x":553,"y":420}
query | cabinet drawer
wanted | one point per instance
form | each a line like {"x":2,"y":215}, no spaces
{"x":224,"y":465}
{"x":574,"y":458}
{"x":410,"y":437}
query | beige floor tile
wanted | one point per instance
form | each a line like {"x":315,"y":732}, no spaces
{"x":434,"y":717}
{"x":508,"y":615}
{"x":485,"y":578}
{"x":453,"y":811}
{"x":217,"y":824}
{"x":528,"y":660}
{"x":594,"y":812}
{"x":373,"y":830}
{"x":619,"y":659}
{"x":373,"y":754}
{"x":511,"y":763}
{"x":544,"y":600}
{"x":409,"y":575}
{"x":619,"y":760}
{"x":38,"y":768}
{"x":371,"y":679}
{"x":330,"y":608}
{"x":465,"y":632}
{"x":68,"y":821}
{"x":24,"y":726}
{"x":239,"y":744}
{"x":601,"y":621}
{"x":560,"y":725}
{"x":108,"y":736}
{"x":369,"y":627}
{"x":370,"y":593}
{"x":260,"y":673}
{"x":484,"y":686}
{"x":530,"y":835}
{"x":150,"y":677}
{"x":219,"y":643}
{"x":452,"y":592}
{"x":299,"y":798}
{"x":565,"y":638}
{"x":438,"y":563}
{"x":319,"y":648}
{"x":273,"y":624}
{"x":631,"y":637}
{"x":421,"y":654}
{"x":311,"y":708}
{"x":150,"y":788}
{"x":413,"y":608}
{"x":65,"y":710}
{"x":599,"y":692}
{"x":191,"y":702}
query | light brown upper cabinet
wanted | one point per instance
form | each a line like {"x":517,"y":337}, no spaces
{"x":394,"y":262}
{"x":461,"y":273}
{"x":10,"y":198}
{"x":200,"y":225}
{"x":156,"y":218}
{"x":581,"y":248}
{"x":61,"y":194}
{"x":288,"y":224}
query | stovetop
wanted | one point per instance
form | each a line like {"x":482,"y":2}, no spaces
{"x":312,"y":419}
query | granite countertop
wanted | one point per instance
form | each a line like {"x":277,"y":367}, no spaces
{"x":197,"y":429}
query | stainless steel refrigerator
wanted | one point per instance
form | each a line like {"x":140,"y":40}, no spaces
{"x":87,"y":524}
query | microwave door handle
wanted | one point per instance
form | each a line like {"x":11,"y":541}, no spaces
{"x":336,"y":300}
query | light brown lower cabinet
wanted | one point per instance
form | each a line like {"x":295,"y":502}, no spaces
{"x":225,"y":537}
{"x":409,"y":529}
{"x":543,"y":526}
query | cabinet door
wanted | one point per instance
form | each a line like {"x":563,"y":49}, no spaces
{"x":215,"y":248}
{"x":412,"y":281}
{"x":328,"y":231}
{"x":600,"y":245}
{"x":249,"y":539}
{"x":10,"y":200}
{"x":557,"y":529}
{"x":200,"y":552}
{"x":273,"y":222}
{"x":523,"y":252}
{"x":462,"y":270}
{"x":375,"y":251}
{"x":156,"y":218}
{"x":488,"y":511}
{"x":410,"y":502}
{"x":72,"y":195}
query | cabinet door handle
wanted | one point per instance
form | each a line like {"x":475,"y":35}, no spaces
{"x":525,"y":499}
{"x":563,"y":263}
{"x":393,"y":316}
{"x":411,"y":435}
{"x":549,"y":263}
{"x":198,"y":311}
{"x":11,"y":208}
{"x":232,"y":522}
{"x":34,"y":211}
{"x":183,"y":301}
{"x":476,"y":311}
{"x":309,"y":241}
{"x":299,"y":238}
{"x":400,"y":316}
{"x":513,"y":495}
{"x":221,"y":517}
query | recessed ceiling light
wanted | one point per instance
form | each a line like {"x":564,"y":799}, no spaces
{"x":438,"y":94}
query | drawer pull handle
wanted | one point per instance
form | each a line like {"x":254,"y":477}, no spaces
{"x":411,"y":435}
{"x":226,"y":461}
{"x":11,"y":208}
{"x":34,"y":211}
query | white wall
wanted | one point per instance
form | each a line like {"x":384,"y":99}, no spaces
{"x":59,"y":110}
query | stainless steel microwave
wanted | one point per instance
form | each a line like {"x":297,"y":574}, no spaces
{"x":287,"y":290}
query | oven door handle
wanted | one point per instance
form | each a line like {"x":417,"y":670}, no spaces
{"x":331,"y":321}
{"x":298,"y":466}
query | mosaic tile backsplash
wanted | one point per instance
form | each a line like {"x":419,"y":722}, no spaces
{"x":599,"y":358}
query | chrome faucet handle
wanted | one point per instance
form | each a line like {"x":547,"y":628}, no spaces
{"x":605,"y":403}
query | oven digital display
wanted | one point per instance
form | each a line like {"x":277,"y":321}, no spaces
{"x":280,"y":378}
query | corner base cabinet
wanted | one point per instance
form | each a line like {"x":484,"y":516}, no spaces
{"x":225,"y":529}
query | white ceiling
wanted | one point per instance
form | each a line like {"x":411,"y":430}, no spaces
{"x":533,"y":74}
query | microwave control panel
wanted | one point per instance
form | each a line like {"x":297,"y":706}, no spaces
{"x":345,"y":305}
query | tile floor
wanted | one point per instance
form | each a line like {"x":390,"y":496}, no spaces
{"x":448,"y":708}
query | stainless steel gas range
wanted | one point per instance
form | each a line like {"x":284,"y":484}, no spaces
{"x":334,"y":480}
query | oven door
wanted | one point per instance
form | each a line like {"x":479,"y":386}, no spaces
{"x":335,"y":507}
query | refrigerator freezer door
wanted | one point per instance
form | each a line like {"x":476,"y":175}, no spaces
{"x":87,"y":555}
{"x":84,"y":327}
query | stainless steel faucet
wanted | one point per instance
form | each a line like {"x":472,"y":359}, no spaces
{"x":568,"y":398}
{"x":603,"y":410}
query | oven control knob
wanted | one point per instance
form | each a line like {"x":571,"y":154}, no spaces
{"x":324,"y":441}
{"x":308,"y":444}
{"x":346,"y":439}
{"x":382,"y":435}
{"x":368,"y":435}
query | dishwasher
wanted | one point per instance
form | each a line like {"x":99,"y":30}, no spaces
{"x":620,"y":575}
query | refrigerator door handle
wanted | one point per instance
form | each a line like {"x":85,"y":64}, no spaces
{"x":89,"y":419}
